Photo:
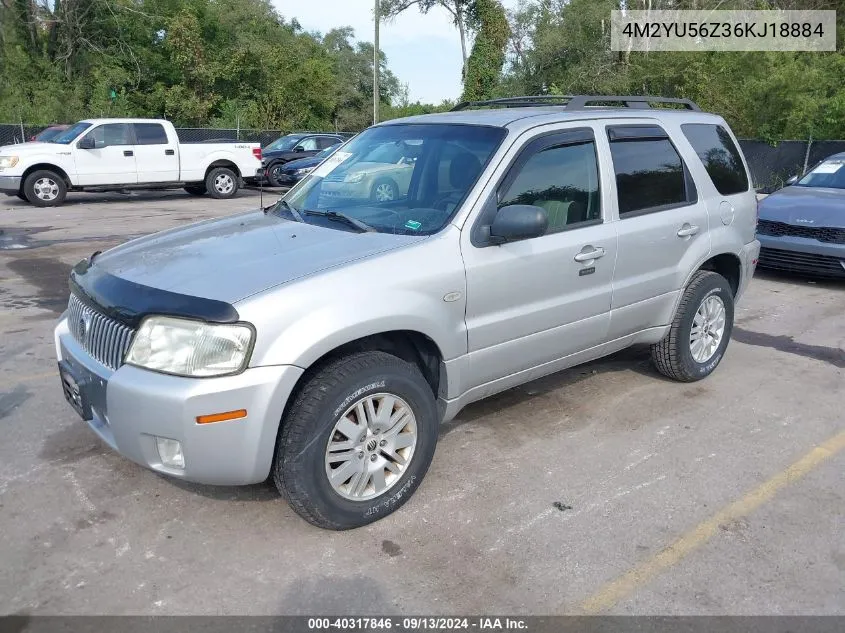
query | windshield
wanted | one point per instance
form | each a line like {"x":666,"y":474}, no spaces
{"x":829,"y":173}
{"x":49,"y":134}
{"x":284,"y":143}
{"x":399,"y":178}
{"x":68,"y":136}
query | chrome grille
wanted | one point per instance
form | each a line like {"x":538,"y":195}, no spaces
{"x":102,"y":337}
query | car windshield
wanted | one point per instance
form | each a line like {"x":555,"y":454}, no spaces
{"x":49,"y":134}
{"x":284,"y":143}
{"x":70,"y":134}
{"x":400,"y":178}
{"x":829,"y":173}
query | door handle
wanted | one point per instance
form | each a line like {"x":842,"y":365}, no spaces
{"x":128,"y":152}
{"x":589,"y":255}
{"x":169,"y":152}
{"x":687,"y":230}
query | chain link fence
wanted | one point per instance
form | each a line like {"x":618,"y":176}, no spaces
{"x":770,"y":164}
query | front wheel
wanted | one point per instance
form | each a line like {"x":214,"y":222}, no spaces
{"x":357,"y":440}
{"x":44,"y":188}
{"x":700,"y":331}
{"x":384,"y":190}
{"x":221,"y":183}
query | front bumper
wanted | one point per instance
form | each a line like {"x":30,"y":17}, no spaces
{"x":10,"y":184}
{"x":130,"y":407}
{"x":802,"y":255}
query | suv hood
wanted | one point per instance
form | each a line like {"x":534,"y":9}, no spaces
{"x":233,"y":258}
{"x":805,"y":206}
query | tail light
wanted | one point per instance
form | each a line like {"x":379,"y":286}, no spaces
{"x":256,"y":151}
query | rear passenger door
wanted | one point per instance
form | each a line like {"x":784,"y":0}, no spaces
{"x":156,"y":156}
{"x":662,"y":226}
{"x":534,"y":301}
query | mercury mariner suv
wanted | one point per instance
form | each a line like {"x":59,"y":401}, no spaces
{"x":321,"y":341}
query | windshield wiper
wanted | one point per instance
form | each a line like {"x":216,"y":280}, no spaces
{"x":284,"y":203}
{"x":342,"y":217}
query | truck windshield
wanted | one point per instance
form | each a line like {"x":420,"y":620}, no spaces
{"x":68,"y":136}
{"x":829,"y":174}
{"x":401,"y":178}
{"x":285,"y":143}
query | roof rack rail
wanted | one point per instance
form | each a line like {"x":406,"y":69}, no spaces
{"x":576,"y":102}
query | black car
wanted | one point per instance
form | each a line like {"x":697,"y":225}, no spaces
{"x":293,"y":147}
{"x":289,"y":174}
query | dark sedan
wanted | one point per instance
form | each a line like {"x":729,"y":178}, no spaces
{"x":289,"y":174}
{"x":802,"y":226}
{"x":293,"y":147}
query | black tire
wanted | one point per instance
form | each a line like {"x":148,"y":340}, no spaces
{"x":39,"y":179}
{"x":386,"y":183}
{"x":222,"y":183}
{"x":299,"y":470}
{"x":20,"y":195}
{"x":272,"y":176}
{"x":673,"y":356}
{"x":196,"y":190}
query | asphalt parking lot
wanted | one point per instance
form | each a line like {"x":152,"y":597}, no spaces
{"x":605,"y":488}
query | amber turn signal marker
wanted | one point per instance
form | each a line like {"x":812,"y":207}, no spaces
{"x":221,"y":417}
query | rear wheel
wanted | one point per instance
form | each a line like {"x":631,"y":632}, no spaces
{"x":44,"y":188}
{"x":221,"y":183}
{"x":700,"y":331}
{"x":357,"y":440}
{"x":196,"y":190}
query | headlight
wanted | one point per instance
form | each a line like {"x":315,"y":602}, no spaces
{"x":356,"y":177}
{"x":303,"y":171}
{"x":190,"y":348}
{"x":8,"y":161}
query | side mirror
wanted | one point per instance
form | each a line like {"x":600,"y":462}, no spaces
{"x":791,"y":180}
{"x":518,"y":222}
{"x":86,"y":142}
{"x":299,"y":149}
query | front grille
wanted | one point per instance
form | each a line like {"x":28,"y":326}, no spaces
{"x":102,"y":337}
{"x":820,"y":233}
{"x":806,"y":263}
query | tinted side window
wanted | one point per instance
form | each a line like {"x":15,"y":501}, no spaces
{"x":150,"y":134}
{"x":111,"y":134}
{"x":649,"y":174}
{"x":720,"y":156}
{"x":324,"y":142}
{"x":564,"y":181}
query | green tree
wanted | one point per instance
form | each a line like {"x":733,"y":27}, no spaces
{"x":484,"y":66}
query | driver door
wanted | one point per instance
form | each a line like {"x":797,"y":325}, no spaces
{"x":112,"y":159}
{"x":535,"y":301}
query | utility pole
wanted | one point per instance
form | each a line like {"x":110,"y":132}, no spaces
{"x":376,"y":66}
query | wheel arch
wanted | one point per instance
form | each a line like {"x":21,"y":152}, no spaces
{"x":47,"y":167}
{"x":728,"y":265}
{"x":223,"y":162}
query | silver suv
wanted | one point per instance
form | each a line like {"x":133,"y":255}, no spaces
{"x":323,"y":340}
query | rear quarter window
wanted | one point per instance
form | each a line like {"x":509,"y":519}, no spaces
{"x":719,"y":155}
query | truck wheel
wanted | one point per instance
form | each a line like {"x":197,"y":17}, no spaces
{"x":384,"y":190}
{"x":44,"y":188}
{"x":221,"y":183}
{"x":274,"y":173}
{"x":196,"y":190}
{"x":700,"y":331}
{"x":357,"y":440}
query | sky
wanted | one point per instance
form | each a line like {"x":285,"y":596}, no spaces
{"x":424,"y":51}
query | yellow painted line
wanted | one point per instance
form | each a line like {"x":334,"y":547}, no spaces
{"x":623,"y":586}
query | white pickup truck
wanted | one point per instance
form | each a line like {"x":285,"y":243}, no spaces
{"x":120,"y":154}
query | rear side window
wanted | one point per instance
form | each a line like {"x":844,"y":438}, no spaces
{"x":720,"y":156}
{"x":650,"y":175}
{"x":150,"y":134}
{"x":324,"y":142}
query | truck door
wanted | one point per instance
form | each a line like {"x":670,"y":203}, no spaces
{"x":110,"y":159}
{"x":156,"y":156}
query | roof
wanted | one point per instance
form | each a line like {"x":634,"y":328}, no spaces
{"x":124,"y":120}
{"x":522,"y":118}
